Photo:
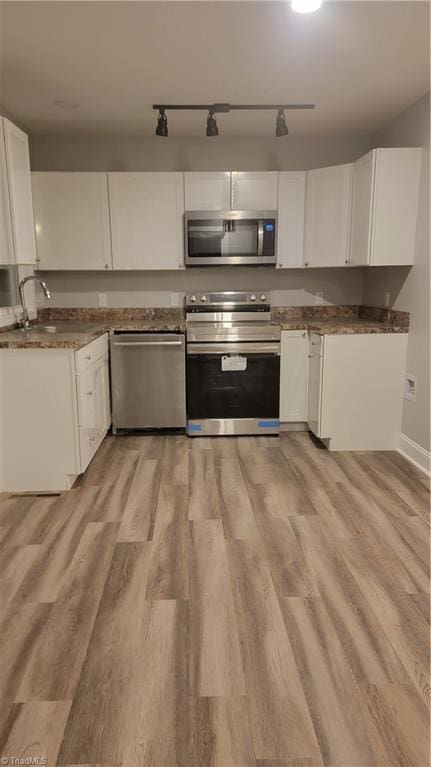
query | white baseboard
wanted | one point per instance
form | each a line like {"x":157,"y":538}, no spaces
{"x":416,"y":454}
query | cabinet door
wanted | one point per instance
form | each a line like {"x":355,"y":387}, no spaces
{"x":395,"y":206}
{"x":291,"y":201}
{"x":207,"y":191}
{"x":87,"y":414}
{"x":293,"y":375}
{"x":315,"y":384}
{"x":6,"y":242}
{"x":254,"y":190}
{"x":327,"y":216}
{"x":20,"y":196}
{"x":103,"y":398}
{"x":71,"y":212}
{"x":361,"y":214}
{"x":147,"y":220}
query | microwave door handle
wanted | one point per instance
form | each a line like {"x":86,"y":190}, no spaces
{"x":260,"y":237}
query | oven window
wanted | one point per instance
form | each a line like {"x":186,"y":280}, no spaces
{"x":249,"y":393}
{"x":213,"y":238}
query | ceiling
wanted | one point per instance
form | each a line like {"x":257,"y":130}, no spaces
{"x":361,"y":63}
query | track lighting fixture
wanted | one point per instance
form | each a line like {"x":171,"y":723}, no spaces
{"x":213,"y":109}
{"x":162,"y":123}
{"x":212,"y":129}
{"x":280,"y":124}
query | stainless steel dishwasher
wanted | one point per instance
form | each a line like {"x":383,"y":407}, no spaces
{"x":148,"y":380}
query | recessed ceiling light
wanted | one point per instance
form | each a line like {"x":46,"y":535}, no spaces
{"x":65,"y":104}
{"x":305,"y":6}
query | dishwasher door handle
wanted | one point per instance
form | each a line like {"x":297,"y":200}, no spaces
{"x":148,"y":343}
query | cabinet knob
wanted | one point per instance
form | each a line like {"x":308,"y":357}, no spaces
{"x":107,"y":266}
{"x":89,"y":393}
{"x":306,"y":263}
{"x":279,"y":265}
{"x":180,"y":266}
{"x":304,"y":334}
{"x":88,"y":358}
{"x":346,"y":261}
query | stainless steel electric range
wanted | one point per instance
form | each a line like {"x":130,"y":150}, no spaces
{"x":233,"y":364}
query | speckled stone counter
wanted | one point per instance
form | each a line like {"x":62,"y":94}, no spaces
{"x":76,"y":328}
{"x":340,"y":320}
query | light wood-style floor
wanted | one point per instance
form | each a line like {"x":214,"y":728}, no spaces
{"x":219,"y":602}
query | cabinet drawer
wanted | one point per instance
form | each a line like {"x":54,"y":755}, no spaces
{"x":86,"y":356}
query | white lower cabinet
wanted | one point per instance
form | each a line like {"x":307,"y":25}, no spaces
{"x":293,"y":376}
{"x":355,"y":390}
{"x":54,"y":412}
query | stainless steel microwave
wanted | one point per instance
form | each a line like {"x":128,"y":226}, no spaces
{"x":232,"y":237}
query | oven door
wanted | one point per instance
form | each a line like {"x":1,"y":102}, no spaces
{"x":230,"y":237}
{"x":233,"y":388}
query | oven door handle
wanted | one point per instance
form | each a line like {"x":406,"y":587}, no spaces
{"x":234,"y":348}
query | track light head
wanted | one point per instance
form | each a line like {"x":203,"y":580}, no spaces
{"x":280,"y":124}
{"x":212,"y":129}
{"x":162,"y":124}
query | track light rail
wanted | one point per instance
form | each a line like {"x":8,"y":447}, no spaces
{"x":220,"y":108}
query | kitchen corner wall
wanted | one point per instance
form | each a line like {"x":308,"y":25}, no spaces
{"x":133,"y":153}
{"x":409,"y":289}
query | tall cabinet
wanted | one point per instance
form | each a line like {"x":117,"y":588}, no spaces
{"x":16,"y":154}
{"x":6,"y":241}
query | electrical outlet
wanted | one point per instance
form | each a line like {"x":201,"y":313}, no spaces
{"x":318,"y":298}
{"x":103,"y":299}
{"x":175,"y":299}
{"x":387,"y":299}
{"x":410,"y":387}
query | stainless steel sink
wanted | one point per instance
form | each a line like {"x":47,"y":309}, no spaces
{"x":61,"y":327}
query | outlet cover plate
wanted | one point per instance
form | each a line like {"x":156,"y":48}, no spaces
{"x":410,"y":387}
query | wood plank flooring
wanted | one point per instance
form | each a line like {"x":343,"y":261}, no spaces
{"x":219,"y":603}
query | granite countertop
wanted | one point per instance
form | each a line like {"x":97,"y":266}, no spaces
{"x":340,"y":320}
{"x":76,"y":328}
{"x":342,"y":326}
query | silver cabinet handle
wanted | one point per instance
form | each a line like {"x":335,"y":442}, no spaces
{"x":148,"y":343}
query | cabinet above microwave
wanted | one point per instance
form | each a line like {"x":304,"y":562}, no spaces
{"x":230,"y":237}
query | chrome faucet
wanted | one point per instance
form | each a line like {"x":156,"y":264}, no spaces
{"x":24,"y":322}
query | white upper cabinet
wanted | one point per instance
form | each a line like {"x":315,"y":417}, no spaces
{"x":291,"y":200}
{"x":20,"y":196}
{"x":6,"y":241}
{"x":254,"y":190}
{"x":362,"y":205}
{"x":147,"y":220}
{"x":327,"y":216}
{"x":384,"y":207}
{"x":71,"y":212}
{"x":207,"y":191}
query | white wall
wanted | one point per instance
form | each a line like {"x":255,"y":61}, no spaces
{"x":51,"y":152}
{"x":410,"y":288}
{"x":288,"y":288}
